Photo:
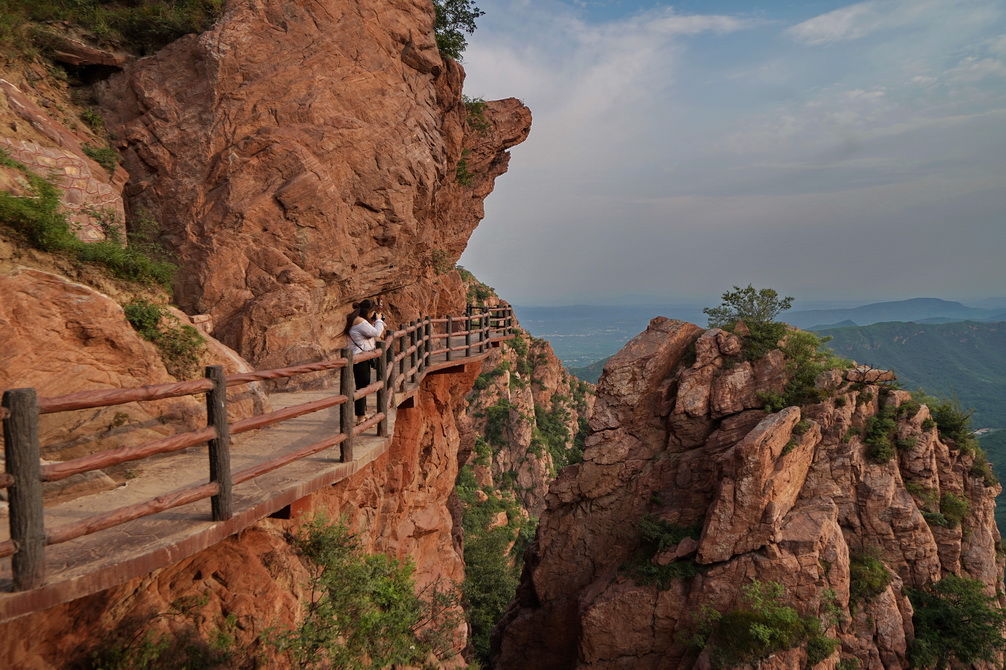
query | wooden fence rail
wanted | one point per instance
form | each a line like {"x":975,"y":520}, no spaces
{"x":402,"y":359}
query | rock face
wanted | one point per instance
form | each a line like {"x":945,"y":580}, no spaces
{"x":304,"y":156}
{"x":678,"y":438}
{"x":61,"y":337}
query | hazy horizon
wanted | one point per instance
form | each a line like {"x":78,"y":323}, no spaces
{"x":829,"y":150}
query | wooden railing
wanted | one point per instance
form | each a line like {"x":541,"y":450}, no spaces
{"x":402,"y":360}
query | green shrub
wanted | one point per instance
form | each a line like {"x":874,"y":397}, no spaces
{"x":954,"y":508}
{"x":868,"y":577}
{"x":928,"y":424}
{"x":762,"y":627}
{"x":909,"y":409}
{"x":763,"y":338}
{"x":93,"y":120}
{"x":656,"y":535}
{"x":955,"y":621}
{"x":478,"y":292}
{"x":840,"y":401}
{"x":926,"y":495}
{"x":848,"y":664}
{"x":906,"y":443}
{"x":475,"y":114}
{"x":180,"y":345}
{"x":106,"y":156}
{"x":461,"y":172}
{"x":365,"y":612}
{"x":497,"y":422}
{"x":878,"y":436}
{"x":806,"y":359}
{"x":39,"y":219}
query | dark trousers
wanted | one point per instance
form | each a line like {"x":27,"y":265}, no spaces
{"x":361,"y":374}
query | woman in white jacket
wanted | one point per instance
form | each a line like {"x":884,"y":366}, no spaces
{"x":364,"y":325}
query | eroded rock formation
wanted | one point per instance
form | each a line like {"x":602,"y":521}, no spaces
{"x":303,"y":156}
{"x":679,"y":437}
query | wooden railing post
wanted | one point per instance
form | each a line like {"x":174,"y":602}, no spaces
{"x":220,"y":446}
{"x":468,"y":332}
{"x":413,"y":344}
{"x":427,"y":342}
{"x":347,"y":387}
{"x":449,"y":331}
{"x":382,"y":393}
{"x":27,"y":523}
{"x":484,"y":336}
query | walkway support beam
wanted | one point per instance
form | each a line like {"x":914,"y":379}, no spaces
{"x":24,"y":465}
{"x":220,"y":446}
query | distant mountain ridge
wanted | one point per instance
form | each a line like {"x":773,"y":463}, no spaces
{"x":914,"y":309}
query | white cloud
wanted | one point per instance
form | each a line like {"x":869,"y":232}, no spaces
{"x":865,"y":18}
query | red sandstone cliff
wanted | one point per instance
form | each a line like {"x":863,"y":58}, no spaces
{"x":297,"y":158}
{"x":304,"y":156}
{"x":678,"y":437}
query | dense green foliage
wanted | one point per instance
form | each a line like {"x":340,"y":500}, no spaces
{"x":38,"y":218}
{"x":868,"y":577}
{"x":453,"y":19}
{"x":143,"y":26}
{"x":180,"y":345}
{"x":105,"y":156}
{"x":955,"y":621}
{"x":656,"y":535}
{"x":806,"y":359}
{"x":365,"y":612}
{"x":763,"y":626}
{"x":963,"y":360}
{"x":879,"y":436}
{"x":750,"y":305}
{"x":491,"y":571}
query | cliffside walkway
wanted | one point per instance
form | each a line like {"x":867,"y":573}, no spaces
{"x":61,"y":552}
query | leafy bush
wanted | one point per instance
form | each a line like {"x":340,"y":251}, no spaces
{"x":656,"y":535}
{"x":478,"y":292}
{"x":879,"y":429}
{"x":867,"y":576}
{"x":179,"y":344}
{"x":39,"y":219}
{"x":763,"y":627}
{"x":475,"y":114}
{"x":806,"y":359}
{"x":453,"y":19}
{"x":366,"y":612}
{"x":926,"y":495}
{"x":106,"y":156}
{"x":954,"y":508}
{"x":955,"y":621}
{"x":461,"y":173}
{"x":497,"y":421}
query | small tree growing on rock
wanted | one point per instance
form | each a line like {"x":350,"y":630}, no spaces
{"x":955,"y":620}
{"x":454,"y":19}
{"x":750,"y":305}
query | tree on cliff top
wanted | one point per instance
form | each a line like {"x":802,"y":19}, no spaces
{"x":454,"y":19}
{"x":750,"y":305}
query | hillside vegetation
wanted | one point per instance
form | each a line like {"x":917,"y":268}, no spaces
{"x":965,"y":360}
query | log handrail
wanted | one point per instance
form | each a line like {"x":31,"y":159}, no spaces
{"x":21,"y":411}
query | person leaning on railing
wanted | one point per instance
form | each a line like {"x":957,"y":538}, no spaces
{"x":364,"y":325}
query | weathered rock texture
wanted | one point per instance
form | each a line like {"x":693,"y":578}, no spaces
{"x":302,"y":156}
{"x":397,"y":504}
{"x":51,"y":149}
{"x":61,"y":337}
{"x":677,"y":433}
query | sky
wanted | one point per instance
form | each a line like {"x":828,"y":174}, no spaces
{"x":831,"y":151}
